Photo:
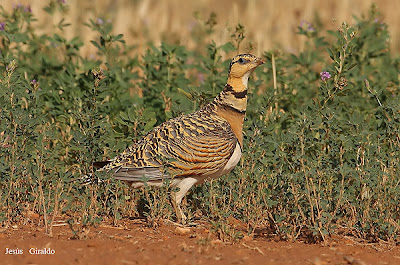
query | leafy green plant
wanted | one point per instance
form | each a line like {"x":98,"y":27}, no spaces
{"x":319,"y":143}
{"x":321,"y":146}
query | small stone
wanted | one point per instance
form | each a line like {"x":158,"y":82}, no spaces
{"x":216,"y":242}
{"x":318,"y":261}
{"x":182,"y":231}
{"x":247,"y":238}
{"x":353,"y":261}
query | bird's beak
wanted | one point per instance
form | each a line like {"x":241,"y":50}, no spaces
{"x":259,"y":61}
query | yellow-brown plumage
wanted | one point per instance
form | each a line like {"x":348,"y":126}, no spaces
{"x":194,"y":147}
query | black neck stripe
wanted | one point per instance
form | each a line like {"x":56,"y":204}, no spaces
{"x":229,"y":89}
{"x":241,"y":94}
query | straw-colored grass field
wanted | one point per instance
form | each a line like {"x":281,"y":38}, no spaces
{"x":268,"y":24}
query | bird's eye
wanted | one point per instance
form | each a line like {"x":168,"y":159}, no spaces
{"x":242,"y":61}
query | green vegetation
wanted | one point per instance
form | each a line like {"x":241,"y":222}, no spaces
{"x":321,"y":151}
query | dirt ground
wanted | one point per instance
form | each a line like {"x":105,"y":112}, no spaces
{"x":135,"y":243}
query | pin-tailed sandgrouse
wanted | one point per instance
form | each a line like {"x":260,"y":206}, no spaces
{"x":205,"y":144}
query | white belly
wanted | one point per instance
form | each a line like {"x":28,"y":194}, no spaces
{"x":232,"y":162}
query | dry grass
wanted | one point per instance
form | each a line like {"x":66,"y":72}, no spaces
{"x":269,"y":24}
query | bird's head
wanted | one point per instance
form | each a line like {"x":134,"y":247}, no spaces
{"x":240,"y":69}
{"x":242,"y":64}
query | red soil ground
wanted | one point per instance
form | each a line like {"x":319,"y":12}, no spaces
{"x":135,"y":243}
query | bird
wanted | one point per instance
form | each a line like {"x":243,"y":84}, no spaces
{"x":191,"y":148}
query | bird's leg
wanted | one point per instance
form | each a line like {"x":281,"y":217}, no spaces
{"x":176,"y":196}
{"x":176,"y":203}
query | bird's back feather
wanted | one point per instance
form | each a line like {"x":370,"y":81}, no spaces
{"x":197,"y":144}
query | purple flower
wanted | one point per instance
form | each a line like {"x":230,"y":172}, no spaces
{"x":28,"y":9}
{"x":20,"y":6}
{"x":2,"y":26}
{"x":35,"y":84}
{"x":16,"y":6}
{"x":99,"y":21}
{"x":306,"y":26}
{"x":62,"y":1}
{"x":325,"y":76}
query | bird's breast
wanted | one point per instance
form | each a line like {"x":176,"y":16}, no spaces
{"x":232,"y":162}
